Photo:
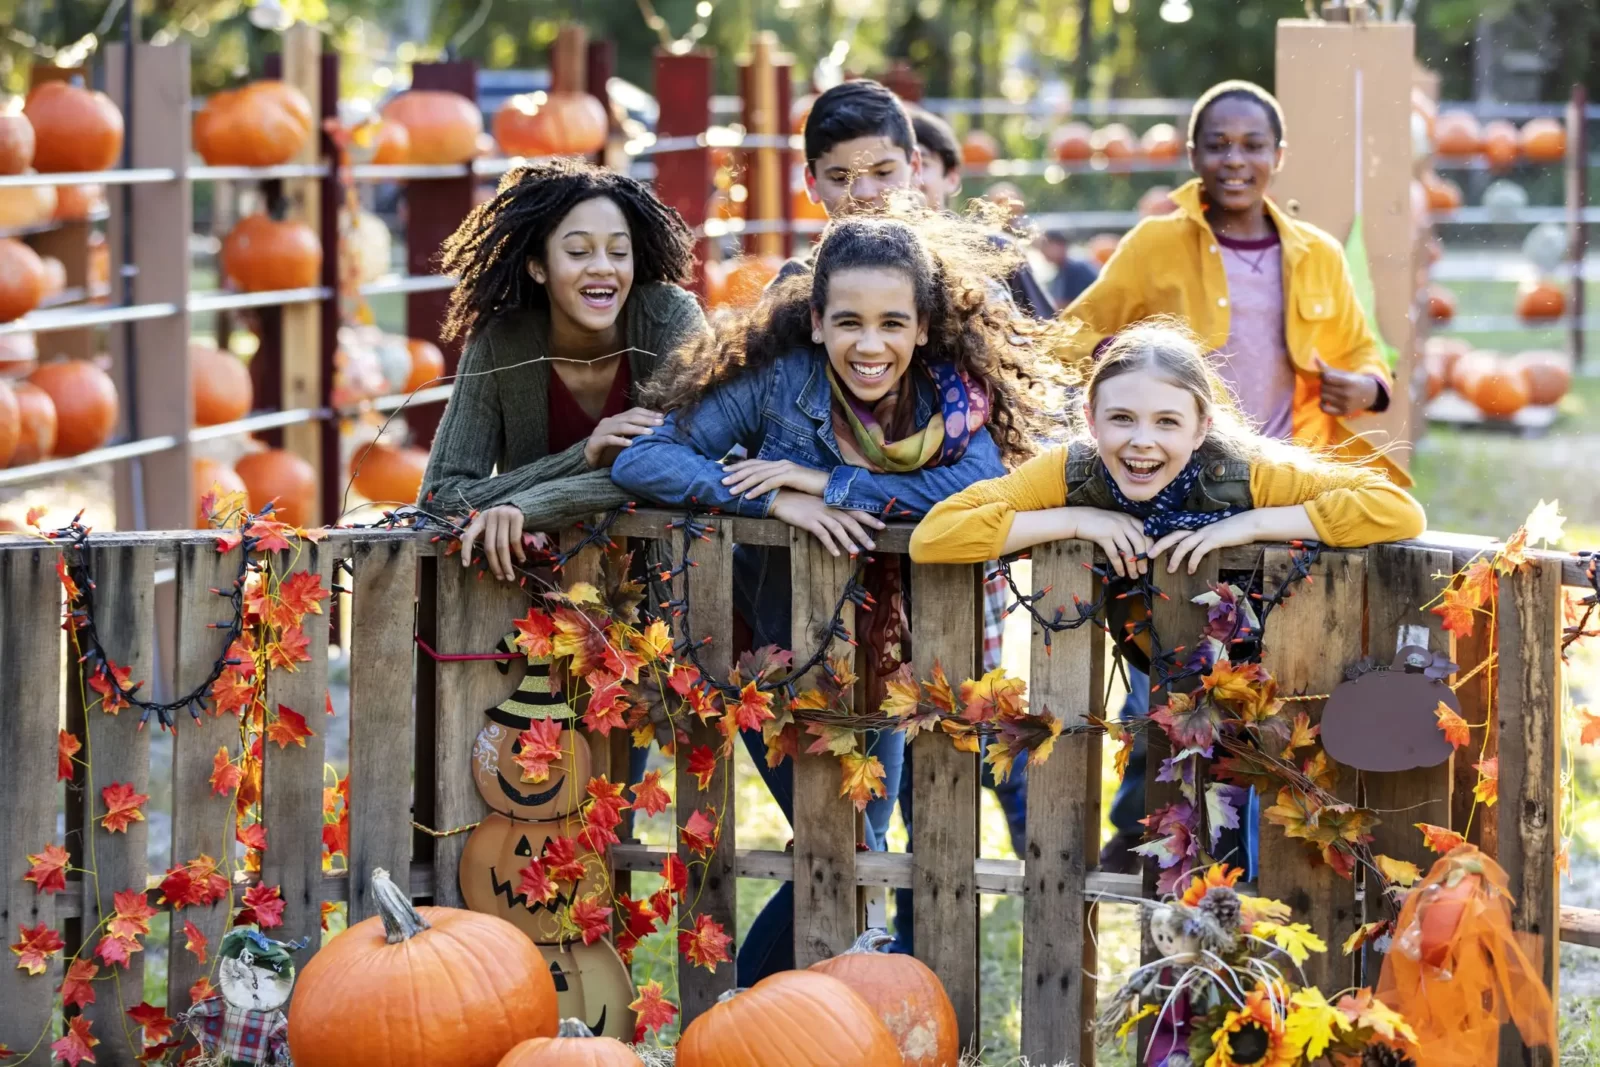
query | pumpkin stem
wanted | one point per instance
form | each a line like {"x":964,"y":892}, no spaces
{"x":401,"y":921}
{"x":874,"y":940}
{"x":573,"y":1028}
{"x":730,"y":994}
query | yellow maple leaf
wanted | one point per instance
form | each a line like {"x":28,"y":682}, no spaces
{"x":1303,"y":733}
{"x":655,"y":643}
{"x":1487,"y":789}
{"x":1000,"y":758}
{"x":1133,"y":1020}
{"x":583,"y":593}
{"x":1296,"y":939}
{"x":1363,"y":1009}
{"x":1456,"y":730}
{"x":1544,"y":523}
{"x":1364,"y":933}
{"x":1312,"y":1021}
{"x":862,"y":779}
{"x":1397,"y":871}
{"x":1262,"y":909}
{"x":902,"y":694}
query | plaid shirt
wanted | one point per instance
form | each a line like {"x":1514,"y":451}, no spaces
{"x":239,"y":1037}
{"x":995,"y":598}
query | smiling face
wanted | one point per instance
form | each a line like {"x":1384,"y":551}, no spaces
{"x":860,"y":173}
{"x":1146,"y":428}
{"x":1236,"y":153}
{"x":588,"y":266}
{"x":870,"y":328}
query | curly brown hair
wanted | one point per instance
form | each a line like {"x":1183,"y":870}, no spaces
{"x":956,"y":271}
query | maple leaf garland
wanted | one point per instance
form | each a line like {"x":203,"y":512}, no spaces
{"x":123,"y":806}
{"x":289,"y":727}
{"x":706,"y":945}
{"x":48,"y":870}
{"x":653,"y":1011}
{"x":37,"y":945}
{"x":76,"y":987}
{"x":77,"y":1046}
{"x":649,"y":796}
{"x":541,"y":746}
{"x":154,"y":1021}
{"x":68,"y":746}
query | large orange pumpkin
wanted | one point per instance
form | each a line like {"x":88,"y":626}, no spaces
{"x":388,"y":475}
{"x":36,"y":438}
{"x":1102,"y":246}
{"x":1548,"y":374}
{"x":1440,"y":913}
{"x":1457,"y":134}
{"x":551,"y":124}
{"x":1463,"y":372}
{"x":22,"y":279}
{"x":1447,"y":351}
{"x":74,"y":203}
{"x":1540,"y":300}
{"x":1441,"y":304}
{"x":16,"y":137}
{"x":746,"y":279}
{"x":1443,"y":194}
{"x":261,"y":254}
{"x":10,"y":423}
{"x":390,"y":143}
{"x":1500,"y":144}
{"x":593,"y":984}
{"x":1115,"y":141}
{"x":1072,"y":142}
{"x":443,"y":126}
{"x":490,"y":875}
{"x":427,"y":364}
{"x":26,"y":206}
{"x":85,"y":400}
{"x":1162,"y":142}
{"x":213,"y":477}
{"x":427,"y":986}
{"x":74,"y":129}
{"x":573,"y":1046}
{"x":979,"y":148}
{"x":907,"y":996}
{"x":276,"y":475}
{"x":1543,"y":140}
{"x":220,"y":383}
{"x":1499,"y":390}
{"x":262,"y":125}
{"x":500,"y":780}
{"x":789,"y":1019}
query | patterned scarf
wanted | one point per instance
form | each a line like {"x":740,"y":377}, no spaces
{"x":963,"y":410}
{"x":1164,"y":512}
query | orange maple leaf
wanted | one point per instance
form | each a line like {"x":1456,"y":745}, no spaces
{"x":649,"y":796}
{"x":1590,"y":725}
{"x":652,"y":1009}
{"x":1440,"y":839}
{"x":112,"y":688}
{"x":707,"y":944}
{"x":541,"y":746}
{"x":299,"y":595}
{"x":75,"y":988}
{"x":288,"y":728}
{"x":862,"y":778}
{"x":699,"y":834}
{"x":232,"y":693}
{"x":78,"y":1044}
{"x":122,"y":806}
{"x":69,"y":586}
{"x":48,"y":872}
{"x":534,"y":631}
{"x":753,"y":709}
{"x":67,"y":746}
{"x":291,"y":647}
{"x":195,"y":940}
{"x":157,"y":1026}
{"x":201,"y":990}
{"x":1478,"y":582}
{"x":607,"y":702}
{"x":1487,"y":788}
{"x":131,"y":914}
{"x":38,"y":944}
{"x":703,"y":765}
{"x":1457,"y":610}
{"x":1455,"y":729}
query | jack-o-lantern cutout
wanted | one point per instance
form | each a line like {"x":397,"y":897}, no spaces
{"x":497,"y":851}
{"x":1382,"y":719}
{"x":593,"y":984}
{"x":500,"y":779}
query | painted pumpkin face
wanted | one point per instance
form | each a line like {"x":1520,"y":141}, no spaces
{"x":499,"y":779}
{"x":593,"y":984}
{"x":491,"y":872}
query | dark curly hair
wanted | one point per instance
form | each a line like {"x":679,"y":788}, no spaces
{"x":490,"y":250}
{"x":972,"y":322}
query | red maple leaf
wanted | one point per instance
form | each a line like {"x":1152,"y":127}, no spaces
{"x":288,"y":728}
{"x":706,"y":945}
{"x":225,"y":774}
{"x":131,"y":914}
{"x":228,"y":540}
{"x":112,"y":699}
{"x":78,"y":1044}
{"x":336,"y":836}
{"x":599,"y":827}
{"x":232,"y":694}
{"x":649,"y":796}
{"x":48,"y":872}
{"x":753,"y":709}
{"x":195,"y":940}
{"x":38,"y":944}
{"x":241,"y":655}
{"x":209,"y":884}
{"x":534,"y":631}
{"x":653,"y":1009}
{"x":674,"y":876}
{"x":122,"y":806}
{"x":592,"y":919}
{"x":67,"y":746}
{"x":562,"y":860}
{"x":699,"y":834}
{"x":291,"y":647}
{"x":177,"y":887}
{"x":536,"y":883}
{"x":541,"y":746}
{"x":201,"y":990}
{"x":76,"y":989}
{"x":270,"y":536}
{"x":623,"y":662}
{"x":67,"y":584}
{"x":115,"y":950}
{"x":157,"y":1026}
{"x":1440,"y":839}
{"x":703,"y":765}
{"x":661,"y":902}
{"x":253,"y":836}
{"x":682,"y":678}
{"x":1457,"y":609}
{"x":640,"y":918}
{"x":607,"y":703}
{"x":298,"y":595}
{"x":257,"y":604}
{"x":263,"y":906}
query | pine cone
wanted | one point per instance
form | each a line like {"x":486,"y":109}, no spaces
{"x":1222,"y":904}
{"x":1385,"y":1056}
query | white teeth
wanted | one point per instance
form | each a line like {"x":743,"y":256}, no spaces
{"x":870,"y":370}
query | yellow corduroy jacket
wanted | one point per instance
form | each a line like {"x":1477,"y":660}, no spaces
{"x":1172,"y":265}
{"x":1350,"y":506}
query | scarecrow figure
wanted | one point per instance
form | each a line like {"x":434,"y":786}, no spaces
{"x":244,"y":1025}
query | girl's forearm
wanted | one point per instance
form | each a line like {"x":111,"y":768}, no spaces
{"x":1283,"y":524}
{"x":1029,"y":528}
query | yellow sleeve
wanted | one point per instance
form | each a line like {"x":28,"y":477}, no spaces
{"x":1115,"y":300}
{"x":1350,"y":507}
{"x":971,"y":526}
{"x":1358,"y":351}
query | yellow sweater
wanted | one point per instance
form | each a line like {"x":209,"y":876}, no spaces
{"x":1349,"y":506}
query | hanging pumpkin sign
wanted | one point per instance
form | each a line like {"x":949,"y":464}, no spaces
{"x":498,"y":851}
{"x":1383,"y":718}
{"x":593,"y":984}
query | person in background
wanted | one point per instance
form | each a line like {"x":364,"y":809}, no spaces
{"x":1073,"y":275}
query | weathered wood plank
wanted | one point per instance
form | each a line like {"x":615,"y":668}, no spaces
{"x":292,"y":775}
{"x":202,"y":820}
{"x":1476,"y":695}
{"x":824,"y":824}
{"x":382,"y":655}
{"x":117,"y":752}
{"x":30,"y":678}
{"x":712,"y":881}
{"x":945,"y":632}
{"x":1400,"y":580}
{"x":1310,"y":640}
{"x":1063,"y":823}
{"x":1529,"y":813}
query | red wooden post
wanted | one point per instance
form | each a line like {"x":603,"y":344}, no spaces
{"x":748,"y":163}
{"x":683,"y":179}
{"x":783,"y":65}
{"x":333,"y":475}
{"x":600,"y":64}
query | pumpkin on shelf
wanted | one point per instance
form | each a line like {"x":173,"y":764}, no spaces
{"x":10,"y":423}
{"x":573,"y":1046}
{"x":443,"y":127}
{"x":16,"y":137}
{"x":745,"y":279}
{"x":220,"y":383}
{"x":1443,"y":194}
{"x":74,"y":129}
{"x":22,"y":279}
{"x":979,"y":148}
{"x":1548,"y":374}
{"x":1457,"y":134}
{"x":369,"y":245}
{"x":593,"y":984}
{"x":1446,"y":352}
{"x":261,"y":125}
{"x":389,"y":142}
{"x":1543,"y":140}
{"x":1102,"y":246}
{"x":76,"y":203}
{"x":275,"y":475}
{"x":1540,"y":301}
{"x":907,"y":996}
{"x":789,"y":1019}
{"x":427,"y":365}
{"x":551,"y":124}
{"x":1072,"y":142}
{"x":1500,"y":144}
{"x":85,"y":400}
{"x":1162,"y":143}
{"x":26,"y":206}
{"x":1441,"y":304}
{"x":414,"y":987}
{"x":261,"y":254}
{"x":1115,"y":142}
{"x":498,"y":849}
{"x":55,"y":277}
{"x":1464,"y":371}
{"x":213,"y":477}
{"x":388,"y":475}
{"x":1498,"y":388}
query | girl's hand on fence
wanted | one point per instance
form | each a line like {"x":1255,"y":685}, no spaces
{"x":835,"y":528}
{"x":1344,"y":393}
{"x":1241,"y":529}
{"x":501,"y":530}
{"x":1121,"y":537}
{"x":613,"y":433}
{"x":757,"y":477}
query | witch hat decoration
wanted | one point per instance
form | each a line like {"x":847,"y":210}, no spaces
{"x":535,"y":697}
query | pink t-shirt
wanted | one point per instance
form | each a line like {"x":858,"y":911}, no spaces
{"x":1255,"y":361}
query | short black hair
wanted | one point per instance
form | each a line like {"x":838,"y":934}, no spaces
{"x":935,"y":135}
{"x":852,"y":109}
{"x":1236,"y":89}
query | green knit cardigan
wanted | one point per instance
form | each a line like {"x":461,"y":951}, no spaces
{"x":500,"y":420}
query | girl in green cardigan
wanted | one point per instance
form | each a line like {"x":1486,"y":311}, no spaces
{"x":569,"y":300}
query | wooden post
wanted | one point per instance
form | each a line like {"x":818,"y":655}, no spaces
{"x":683,"y":179}
{"x":783,"y":68}
{"x":763,"y":175}
{"x":1577,"y":197}
{"x":1323,"y":69}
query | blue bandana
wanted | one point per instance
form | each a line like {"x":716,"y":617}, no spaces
{"x":1164,"y":512}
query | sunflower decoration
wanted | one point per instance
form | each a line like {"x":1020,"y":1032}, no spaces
{"x":1252,"y":1035}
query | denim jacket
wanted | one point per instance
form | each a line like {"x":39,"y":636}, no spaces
{"x":784,"y":411}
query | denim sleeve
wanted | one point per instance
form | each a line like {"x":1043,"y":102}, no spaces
{"x":859,"y":489}
{"x":682,"y":460}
